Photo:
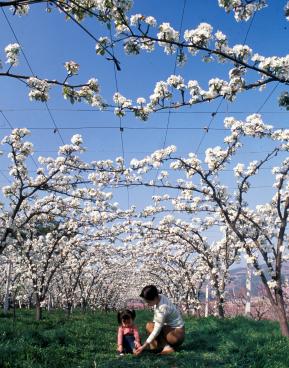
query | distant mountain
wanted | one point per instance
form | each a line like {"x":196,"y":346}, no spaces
{"x":238,"y":280}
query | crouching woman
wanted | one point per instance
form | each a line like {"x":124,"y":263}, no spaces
{"x":167,"y":330}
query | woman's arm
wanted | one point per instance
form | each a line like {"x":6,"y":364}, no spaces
{"x":155,"y":332}
{"x":159,"y":320}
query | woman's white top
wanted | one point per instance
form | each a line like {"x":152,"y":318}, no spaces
{"x":165,"y":313}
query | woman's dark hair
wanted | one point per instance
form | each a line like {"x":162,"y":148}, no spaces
{"x":149,"y":292}
{"x":125,"y":315}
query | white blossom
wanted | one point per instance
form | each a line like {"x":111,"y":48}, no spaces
{"x":166,"y":32}
{"x":12,"y":53}
{"x":39,"y":89}
{"x":72,"y":67}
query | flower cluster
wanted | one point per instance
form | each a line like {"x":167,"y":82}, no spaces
{"x":107,"y":10}
{"x":167,"y":36}
{"x":221,"y":41}
{"x":12,"y":53}
{"x":20,"y":9}
{"x":243,"y":10}
{"x":215,"y":157}
{"x":137,"y":19}
{"x":241,"y":52}
{"x":164,"y":92}
{"x":71,"y":67}
{"x":122,"y":103}
{"x":154,"y":160}
{"x":39,"y":89}
{"x":89,"y":93}
{"x":198,"y":37}
{"x":278,"y":66}
{"x":134,"y":45}
{"x":253,"y":126}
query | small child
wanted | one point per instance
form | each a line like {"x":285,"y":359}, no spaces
{"x":127,"y":335}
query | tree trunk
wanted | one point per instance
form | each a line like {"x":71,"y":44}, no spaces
{"x":38,"y":309}
{"x":220,"y":306}
{"x":282,"y":315}
{"x":207,"y":301}
{"x":14,"y":306}
{"x":29,"y":305}
{"x":7,"y":298}
{"x":197,"y":312}
{"x":69,"y":309}
{"x":49,"y":303}
{"x":248,"y":291}
{"x":278,"y":306}
{"x":84,"y":305}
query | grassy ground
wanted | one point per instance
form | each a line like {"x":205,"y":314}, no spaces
{"x":88,"y":341}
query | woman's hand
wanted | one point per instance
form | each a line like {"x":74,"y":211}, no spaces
{"x":120,"y":348}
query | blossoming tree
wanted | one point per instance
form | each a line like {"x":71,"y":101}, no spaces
{"x":54,"y":214}
{"x":261,"y":232}
{"x":138,"y":33}
{"x":69,"y":194}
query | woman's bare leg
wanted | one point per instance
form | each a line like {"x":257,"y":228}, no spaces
{"x":173,"y":338}
{"x":159,"y":342}
{"x":168,"y":336}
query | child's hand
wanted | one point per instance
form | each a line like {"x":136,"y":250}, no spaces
{"x":139,"y":350}
{"x":137,"y":344}
{"x":120,"y":348}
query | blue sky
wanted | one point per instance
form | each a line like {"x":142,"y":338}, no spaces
{"x":48,"y":41}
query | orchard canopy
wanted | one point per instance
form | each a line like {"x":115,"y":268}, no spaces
{"x":144,"y":139}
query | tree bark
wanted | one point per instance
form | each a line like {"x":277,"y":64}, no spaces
{"x":278,"y":306}
{"x":38,"y":309}
{"x":219,"y":300}
{"x":207,"y":301}
{"x":7,"y":297}
{"x":68,"y":309}
{"x":14,"y":306}
{"x":248,"y":291}
{"x":220,"y":305}
{"x":282,"y":315}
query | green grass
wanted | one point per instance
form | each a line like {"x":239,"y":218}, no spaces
{"x":89,"y":341}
